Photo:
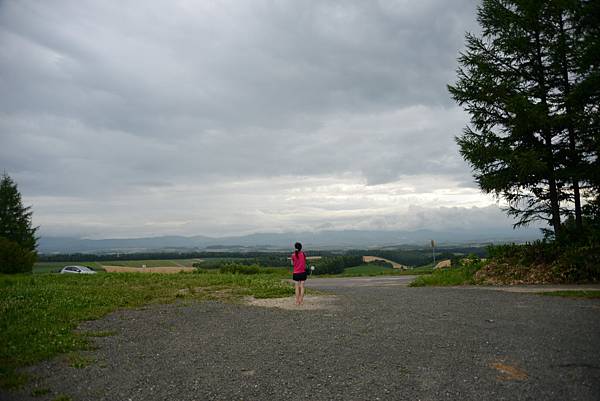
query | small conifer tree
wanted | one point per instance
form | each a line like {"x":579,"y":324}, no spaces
{"x":17,"y":236}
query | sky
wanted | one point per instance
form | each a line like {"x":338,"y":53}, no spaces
{"x":128,"y":118}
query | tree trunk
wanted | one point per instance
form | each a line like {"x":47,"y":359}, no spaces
{"x":547,"y":134}
{"x":573,"y":156}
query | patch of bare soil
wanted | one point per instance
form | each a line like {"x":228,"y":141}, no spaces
{"x":311,"y":302}
{"x":162,"y":269}
{"x":395,"y":265}
{"x":509,"y":372}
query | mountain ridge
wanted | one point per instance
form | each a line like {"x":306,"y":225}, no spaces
{"x":277,"y":241}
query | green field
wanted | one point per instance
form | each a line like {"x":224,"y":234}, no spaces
{"x":38,"y":313}
{"x":151,"y":263}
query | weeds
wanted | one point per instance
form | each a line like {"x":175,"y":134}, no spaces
{"x":447,"y":277}
{"x":78,"y":361}
{"x":38,"y":392}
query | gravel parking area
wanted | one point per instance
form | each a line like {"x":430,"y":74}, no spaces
{"x":379,"y":342}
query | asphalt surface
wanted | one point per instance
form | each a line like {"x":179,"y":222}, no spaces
{"x":379,"y":342}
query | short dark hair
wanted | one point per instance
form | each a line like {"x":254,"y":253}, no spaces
{"x":298,"y":246}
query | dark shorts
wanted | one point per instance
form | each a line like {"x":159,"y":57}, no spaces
{"x":299,"y":276}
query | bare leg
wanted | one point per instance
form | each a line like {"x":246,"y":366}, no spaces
{"x":301,"y":292}
{"x":297,"y":292}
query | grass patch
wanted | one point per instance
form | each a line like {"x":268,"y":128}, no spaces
{"x":78,"y":361}
{"x":11,"y":380}
{"x":573,"y":294}
{"x":38,"y":392}
{"x":38,"y":313}
{"x":447,"y":277}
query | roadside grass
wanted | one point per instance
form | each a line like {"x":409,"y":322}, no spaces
{"x":448,"y":277}
{"x":590,"y":294}
{"x":39,"y":313}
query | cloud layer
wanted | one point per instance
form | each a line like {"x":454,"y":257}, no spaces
{"x":228,"y":117}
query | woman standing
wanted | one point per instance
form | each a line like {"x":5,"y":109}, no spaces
{"x":299,"y":274}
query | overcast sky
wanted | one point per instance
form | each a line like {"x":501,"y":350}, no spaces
{"x":228,"y":117}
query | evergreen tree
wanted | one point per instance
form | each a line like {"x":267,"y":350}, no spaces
{"x":17,"y":236}
{"x":586,"y":100}
{"x":527,"y":85}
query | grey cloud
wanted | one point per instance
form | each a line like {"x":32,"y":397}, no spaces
{"x":109,"y":98}
{"x":243,"y":64}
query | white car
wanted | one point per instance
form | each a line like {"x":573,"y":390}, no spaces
{"x":77,"y":270}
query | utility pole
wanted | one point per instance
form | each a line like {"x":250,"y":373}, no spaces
{"x":433,"y":251}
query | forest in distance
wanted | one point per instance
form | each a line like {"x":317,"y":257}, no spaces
{"x":408,"y":257}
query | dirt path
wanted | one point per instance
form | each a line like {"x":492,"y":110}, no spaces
{"x":311,"y":302}
{"x":345,"y":282}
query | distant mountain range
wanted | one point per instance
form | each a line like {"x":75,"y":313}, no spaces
{"x":283,"y":241}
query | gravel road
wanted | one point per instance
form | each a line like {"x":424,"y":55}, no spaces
{"x":377,"y":342}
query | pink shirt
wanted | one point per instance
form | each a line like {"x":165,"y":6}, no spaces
{"x":299,"y":262}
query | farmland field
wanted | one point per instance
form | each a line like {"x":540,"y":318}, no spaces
{"x":395,"y":265}
{"x":54,"y":267}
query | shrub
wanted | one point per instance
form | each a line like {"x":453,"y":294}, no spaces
{"x":544,"y":261}
{"x":236,"y":268}
{"x":581,"y":264}
{"x":527,"y":254}
{"x":14,"y":258}
{"x":382,"y":263}
{"x":336,"y":264}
